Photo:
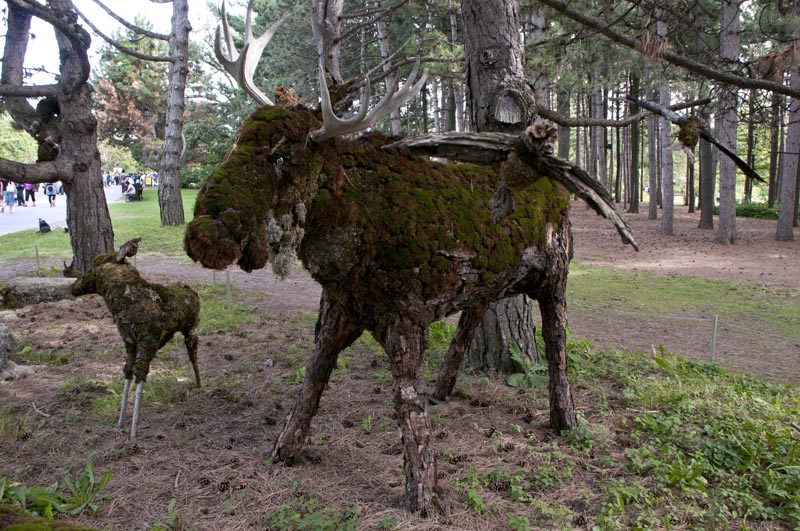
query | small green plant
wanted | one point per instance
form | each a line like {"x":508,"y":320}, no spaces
{"x":172,"y":522}
{"x":297,"y":377}
{"x":366,"y":424}
{"x":83,"y":493}
{"x":85,"y":490}
{"x":306,"y":514}
{"x":528,"y":375}
{"x":50,"y":358}
{"x":519,"y":523}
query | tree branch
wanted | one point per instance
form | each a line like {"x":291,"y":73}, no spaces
{"x":29,"y":91}
{"x":133,"y":27}
{"x":78,"y":37}
{"x":121,"y":47}
{"x":671,"y":57}
{"x":383,"y":13}
{"x":39,"y":172}
{"x":567,"y":121}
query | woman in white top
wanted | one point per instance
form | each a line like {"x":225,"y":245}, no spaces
{"x":9,"y":195}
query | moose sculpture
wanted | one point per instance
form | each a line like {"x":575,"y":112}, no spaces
{"x":397,"y":241}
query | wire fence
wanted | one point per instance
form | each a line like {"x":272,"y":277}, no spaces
{"x":738,"y":345}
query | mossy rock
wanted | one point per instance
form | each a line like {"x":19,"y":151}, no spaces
{"x":12,"y":519}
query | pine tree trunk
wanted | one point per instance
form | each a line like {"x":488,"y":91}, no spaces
{"x":169,"y":183}
{"x":726,"y":123}
{"x":787,"y":217}
{"x":635,"y":144}
{"x":652,"y":165}
{"x":500,"y":99}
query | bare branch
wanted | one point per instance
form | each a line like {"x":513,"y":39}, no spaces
{"x":567,"y":121}
{"x":383,"y":13}
{"x":77,"y":36}
{"x":242,"y":65}
{"x":334,"y":126}
{"x":29,"y":91}
{"x":133,"y":27}
{"x":38,"y":172}
{"x":121,"y":47}
{"x":671,"y":57}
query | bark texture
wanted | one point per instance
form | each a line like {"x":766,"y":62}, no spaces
{"x":726,"y":122}
{"x":397,"y":241}
{"x":500,"y":100}
{"x":791,"y":169}
{"x":169,"y":187}
{"x":63,"y":125}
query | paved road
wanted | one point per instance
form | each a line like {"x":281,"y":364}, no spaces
{"x":27,"y":218}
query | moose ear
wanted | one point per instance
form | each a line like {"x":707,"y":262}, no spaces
{"x":209,"y":242}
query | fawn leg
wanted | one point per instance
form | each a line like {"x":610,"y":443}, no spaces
{"x":405,"y":343}
{"x":127,"y":371}
{"x":334,"y":333}
{"x":137,"y":403}
{"x":191,"y":340}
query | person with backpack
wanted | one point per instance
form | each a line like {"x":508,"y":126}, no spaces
{"x":50,"y":192}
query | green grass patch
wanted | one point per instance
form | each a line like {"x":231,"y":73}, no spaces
{"x":753,"y":210}
{"x":130,"y":220}
{"x":715,"y":447}
{"x":775,"y":310}
{"x":216,"y":313}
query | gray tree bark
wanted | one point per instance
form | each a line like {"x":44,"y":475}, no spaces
{"x":635,"y":168}
{"x":499,"y":100}
{"x":652,"y":166}
{"x":170,"y":201}
{"x":726,"y":122}
{"x":789,"y":178}
{"x":665,"y":143}
{"x":63,"y":124}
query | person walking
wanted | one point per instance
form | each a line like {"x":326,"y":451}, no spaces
{"x":50,"y":192}
{"x":20,"y":194}
{"x":9,"y":195}
{"x":30,"y":193}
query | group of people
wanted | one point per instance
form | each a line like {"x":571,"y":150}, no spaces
{"x":24,"y":195}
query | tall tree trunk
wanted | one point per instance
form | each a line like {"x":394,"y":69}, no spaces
{"x":563,"y":131}
{"x":652,"y":165}
{"x":787,"y":216}
{"x":169,"y":182}
{"x":65,"y":128}
{"x":707,"y":185}
{"x":635,"y":144}
{"x":690,"y":187}
{"x":751,"y":148}
{"x":383,"y":41}
{"x":726,"y":126}
{"x":500,"y":99}
{"x":774,"y":148}
{"x":665,"y":151}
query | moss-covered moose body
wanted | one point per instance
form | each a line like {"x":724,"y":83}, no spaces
{"x":396,"y":241}
{"x":147,"y":315}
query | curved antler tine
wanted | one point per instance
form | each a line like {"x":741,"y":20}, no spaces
{"x":333,"y":126}
{"x":242,"y":65}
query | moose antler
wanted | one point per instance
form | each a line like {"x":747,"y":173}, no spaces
{"x":334,"y":126}
{"x":242,"y":65}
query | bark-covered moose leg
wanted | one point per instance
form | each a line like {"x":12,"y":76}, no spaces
{"x":405,"y":343}
{"x":334,"y":333}
{"x":553,"y":306}
{"x":467,"y":324}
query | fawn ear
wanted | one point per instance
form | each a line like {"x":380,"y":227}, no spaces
{"x":209,"y":242}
